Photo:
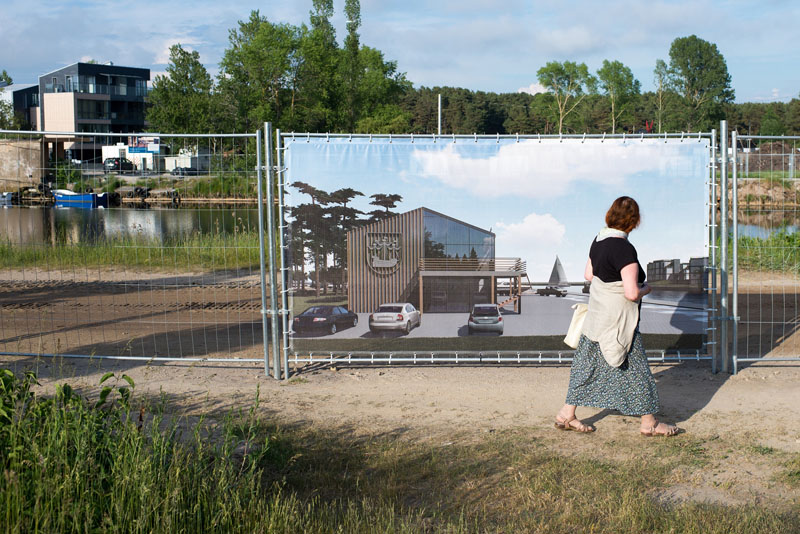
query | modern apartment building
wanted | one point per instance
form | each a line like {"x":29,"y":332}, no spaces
{"x":91,"y":97}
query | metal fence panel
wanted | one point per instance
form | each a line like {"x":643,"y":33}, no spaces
{"x":766,"y":263}
{"x":331,"y":261}
{"x":158,"y":258}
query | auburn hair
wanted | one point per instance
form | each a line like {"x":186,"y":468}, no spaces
{"x":623,"y":214}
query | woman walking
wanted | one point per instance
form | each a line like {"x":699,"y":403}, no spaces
{"x":610,"y":366}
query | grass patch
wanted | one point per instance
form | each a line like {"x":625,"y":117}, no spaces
{"x":184,"y":253}
{"x":686,"y":450}
{"x":780,"y":252}
{"x":233,"y":185}
{"x":792,"y":475}
{"x":113,"y":464}
{"x":479,"y":343}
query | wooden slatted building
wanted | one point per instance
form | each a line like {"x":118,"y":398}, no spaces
{"x":436,"y":262}
{"x":369,"y":286}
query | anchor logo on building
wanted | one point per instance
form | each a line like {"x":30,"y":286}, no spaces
{"x":383,"y":252}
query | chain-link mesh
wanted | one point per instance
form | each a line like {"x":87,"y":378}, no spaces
{"x":129,"y":245}
{"x":768,"y":219}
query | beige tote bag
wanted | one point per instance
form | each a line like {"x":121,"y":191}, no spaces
{"x":576,"y":325}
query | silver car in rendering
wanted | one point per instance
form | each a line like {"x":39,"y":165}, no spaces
{"x":485,"y":318}
{"x":400,"y":316}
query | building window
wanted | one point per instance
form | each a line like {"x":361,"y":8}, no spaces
{"x":141,"y":87}
{"x":92,"y":110}
{"x":447,"y":238}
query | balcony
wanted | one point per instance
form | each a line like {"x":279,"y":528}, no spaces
{"x":98,"y":89}
{"x":504,"y":265}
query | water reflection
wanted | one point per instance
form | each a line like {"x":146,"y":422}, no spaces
{"x":39,"y":225}
{"x":762,"y":224}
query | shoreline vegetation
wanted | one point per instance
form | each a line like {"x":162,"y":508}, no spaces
{"x":114,"y":462}
{"x":780,"y":252}
{"x":186,"y":253}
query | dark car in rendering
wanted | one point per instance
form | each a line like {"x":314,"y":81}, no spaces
{"x":327,"y":319}
{"x":118,"y":165}
{"x":552,"y":290}
{"x":485,"y":318}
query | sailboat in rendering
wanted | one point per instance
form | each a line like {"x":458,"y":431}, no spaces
{"x":558,"y":283}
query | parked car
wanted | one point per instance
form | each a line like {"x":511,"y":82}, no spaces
{"x":395,"y":316}
{"x":118,"y":165}
{"x":184,"y":171}
{"x":485,"y":318}
{"x":552,"y":290}
{"x":330,"y":319}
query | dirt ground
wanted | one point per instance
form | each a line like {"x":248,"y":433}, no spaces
{"x":746,"y":427}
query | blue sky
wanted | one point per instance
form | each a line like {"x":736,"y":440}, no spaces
{"x":477,"y":44}
{"x":541,"y":199}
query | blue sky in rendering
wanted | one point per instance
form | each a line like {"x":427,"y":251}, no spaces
{"x":541,"y":199}
{"x":478,"y":44}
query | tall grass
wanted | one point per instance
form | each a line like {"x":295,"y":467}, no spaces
{"x":71,"y":465}
{"x":232,"y":185}
{"x":779,"y":252}
{"x":182,"y":253}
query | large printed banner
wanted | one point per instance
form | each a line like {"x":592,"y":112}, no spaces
{"x":423,"y":244}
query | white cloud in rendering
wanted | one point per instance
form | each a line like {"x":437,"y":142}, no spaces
{"x":534,"y":228}
{"x":546,"y":169}
{"x":536,"y":239}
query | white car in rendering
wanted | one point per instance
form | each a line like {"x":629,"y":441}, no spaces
{"x":395,"y":316}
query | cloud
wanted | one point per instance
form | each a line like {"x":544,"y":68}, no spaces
{"x":533,"y":89}
{"x":571,"y":41}
{"x":534,"y":228}
{"x":186,"y":42}
{"x":536,"y":239}
{"x":547,"y":169}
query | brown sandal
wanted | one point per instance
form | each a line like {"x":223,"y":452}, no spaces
{"x":579,"y":427}
{"x":652,"y":431}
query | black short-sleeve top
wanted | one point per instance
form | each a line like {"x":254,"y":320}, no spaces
{"x":610,"y":255}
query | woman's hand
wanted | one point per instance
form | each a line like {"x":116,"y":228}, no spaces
{"x":644,"y":290}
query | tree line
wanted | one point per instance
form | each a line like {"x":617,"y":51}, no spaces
{"x":301,"y":79}
{"x":297,"y":77}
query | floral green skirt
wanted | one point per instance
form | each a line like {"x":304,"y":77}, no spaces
{"x":629,"y":388}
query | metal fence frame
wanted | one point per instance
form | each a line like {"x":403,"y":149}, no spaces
{"x":496,"y":357}
{"x":270,"y":160}
{"x":735,"y":319}
{"x":267,"y":310}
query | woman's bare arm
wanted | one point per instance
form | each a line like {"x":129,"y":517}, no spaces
{"x":630,"y":282}
{"x":588,"y":273}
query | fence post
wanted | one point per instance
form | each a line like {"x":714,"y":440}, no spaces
{"x":285,"y":318}
{"x":712,"y":221}
{"x":735,"y":253}
{"x":261,"y":250}
{"x":723,"y":271}
{"x":273,"y":279}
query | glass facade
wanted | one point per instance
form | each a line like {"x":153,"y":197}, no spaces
{"x":448,"y":238}
{"x":455,"y":294}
